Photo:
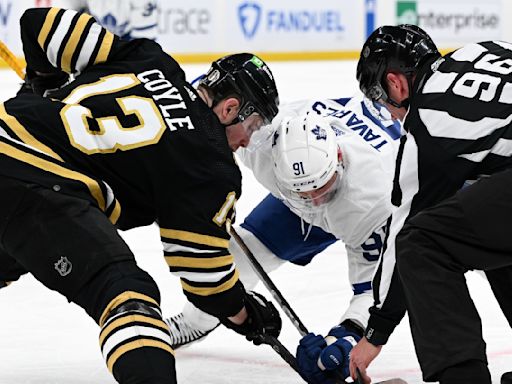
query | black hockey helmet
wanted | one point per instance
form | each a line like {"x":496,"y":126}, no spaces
{"x":247,"y":76}
{"x":402,"y":48}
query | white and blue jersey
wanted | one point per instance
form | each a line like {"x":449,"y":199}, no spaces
{"x":358,"y":212}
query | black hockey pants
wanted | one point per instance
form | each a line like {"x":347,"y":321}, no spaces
{"x":471,"y":230}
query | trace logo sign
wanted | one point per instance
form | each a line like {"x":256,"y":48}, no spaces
{"x":249,"y":15}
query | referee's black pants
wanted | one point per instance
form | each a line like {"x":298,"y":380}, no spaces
{"x":471,"y":230}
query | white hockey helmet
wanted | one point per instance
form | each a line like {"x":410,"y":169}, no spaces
{"x":305,"y":155}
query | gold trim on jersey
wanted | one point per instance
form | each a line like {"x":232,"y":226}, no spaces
{"x":149,"y":131}
{"x":199,"y":262}
{"x":48,"y":166}
{"x":132,"y":318}
{"x":116,"y":212}
{"x":120,"y":299}
{"x":106,"y":46}
{"x":80,"y":93}
{"x":191,"y":237}
{"x":23,"y":134}
{"x":72,"y":43}
{"x":47,"y":26}
{"x":208,"y":291}
{"x":139,"y":343}
{"x":222,"y":215}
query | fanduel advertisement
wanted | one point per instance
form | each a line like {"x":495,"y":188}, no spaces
{"x":285,"y":25}
{"x":454,"y":22}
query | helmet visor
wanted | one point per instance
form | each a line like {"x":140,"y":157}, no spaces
{"x":252,"y":123}
{"x":260,"y":136}
{"x":251,"y":127}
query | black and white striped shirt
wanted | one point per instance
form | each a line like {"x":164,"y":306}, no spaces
{"x":458,"y":128}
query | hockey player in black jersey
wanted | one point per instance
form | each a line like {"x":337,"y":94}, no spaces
{"x":457,"y":114}
{"x":130,"y":125}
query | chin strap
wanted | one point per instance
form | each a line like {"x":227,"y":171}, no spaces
{"x":403,"y":104}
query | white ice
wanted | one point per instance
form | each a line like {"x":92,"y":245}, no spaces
{"x":46,"y":340}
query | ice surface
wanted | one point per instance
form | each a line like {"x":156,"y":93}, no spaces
{"x":46,"y":340}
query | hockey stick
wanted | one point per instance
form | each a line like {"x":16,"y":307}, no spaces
{"x":292,"y":362}
{"x":287,"y":309}
{"x":282,"y":351}
{"x":269,"y":284}
{"x":11,"y":60}
{"x":276,"y":294}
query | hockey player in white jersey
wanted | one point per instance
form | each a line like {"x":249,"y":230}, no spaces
{"x":328,"y":165}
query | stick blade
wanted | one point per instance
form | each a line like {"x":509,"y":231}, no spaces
{"x":392,"y":381}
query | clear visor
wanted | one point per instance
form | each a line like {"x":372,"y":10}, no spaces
{"x":319,"y":198}
{"x":252,"y":126}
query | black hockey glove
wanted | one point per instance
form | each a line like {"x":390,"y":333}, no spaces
{"x":263,"y":319}
{"x":39,"y":84}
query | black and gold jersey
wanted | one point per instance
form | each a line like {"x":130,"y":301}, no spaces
{"x":130,"y":118}
{"x":24,"y":158}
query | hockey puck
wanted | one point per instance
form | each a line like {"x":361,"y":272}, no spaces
{"x":506,"y":378}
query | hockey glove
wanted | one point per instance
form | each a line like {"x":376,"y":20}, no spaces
{"x":263,"y":319}
{"x":43,"y":84}
{"x":318,"y":358}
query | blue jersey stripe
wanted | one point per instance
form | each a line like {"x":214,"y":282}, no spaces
{"x":392,"y":130}
{"x":361,"y":287}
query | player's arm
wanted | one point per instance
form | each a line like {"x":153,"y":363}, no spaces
{"x":58,"y":42}
{"x":387,"y":311}
{"x":389,"y":301}
{"x":362,"y":263}
{"x":196,"y":240}
{"x":57,"y":39}
{"x":342,"y":338}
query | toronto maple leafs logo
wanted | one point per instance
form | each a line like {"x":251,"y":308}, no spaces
{"x":320,"y":133}
{"x":249,"y":15}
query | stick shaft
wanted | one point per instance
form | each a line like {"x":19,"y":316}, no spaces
{"x":283,"y":303}
{"x":11,"y":60}
{"x":269,"y":284}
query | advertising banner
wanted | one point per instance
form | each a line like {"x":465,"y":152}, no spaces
{"x":452,"y":23}
{"x":268,"y":25}
{"x":201,"y":29}
{"x":297,"y":26}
